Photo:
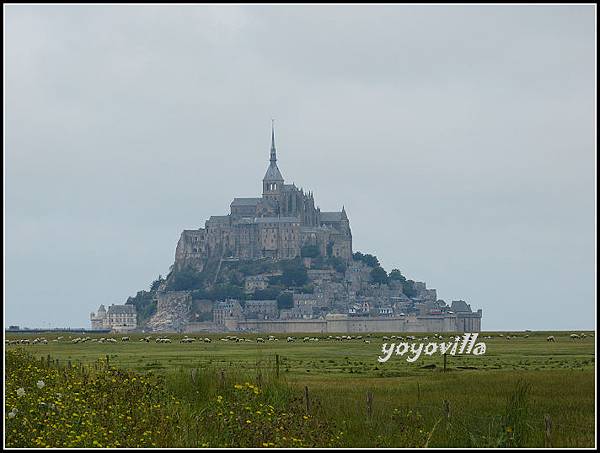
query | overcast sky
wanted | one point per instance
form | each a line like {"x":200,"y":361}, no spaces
{"x":460,"y":139}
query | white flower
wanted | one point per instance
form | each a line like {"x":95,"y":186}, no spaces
{"x":40,"y":384}
{"x":11,"y":415}
{"x":20,"y":391}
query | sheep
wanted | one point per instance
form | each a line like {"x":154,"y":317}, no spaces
{"x":124,"y":338}
{"x":574,"y":336}
{"x":207,"y":340}
{"x":367,"y":341}
{"x":551,"y":338}
{"x":260,"y":340}
{"x":290,"y":339}
{"x":305,"y":339}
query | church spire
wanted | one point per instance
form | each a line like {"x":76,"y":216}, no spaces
{"x":273,"y":150}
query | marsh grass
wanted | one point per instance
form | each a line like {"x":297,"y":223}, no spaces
{"x":498,"y":401}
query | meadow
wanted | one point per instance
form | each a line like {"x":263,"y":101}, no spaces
{"x":523,"y":392}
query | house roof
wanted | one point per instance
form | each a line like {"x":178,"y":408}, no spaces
{"x":245,"y":201}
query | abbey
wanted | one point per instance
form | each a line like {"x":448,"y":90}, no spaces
{"x":277,"y":225}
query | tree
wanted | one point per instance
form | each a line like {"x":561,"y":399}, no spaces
{"x":268,"y":293}
{"x":294,"y":273}
{"x":185,"y":279}
{"x":408,"y":288}
{"x":156,"y":283}
{"x":379,"y":275}
{"x":309,"y":251}
{"x":285,"y":300}
{"x":369,"y":260}
{"x":338,"y":264}
{"x":395,"y":274}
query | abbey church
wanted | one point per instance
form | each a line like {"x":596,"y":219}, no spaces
{"x":277,"y":225}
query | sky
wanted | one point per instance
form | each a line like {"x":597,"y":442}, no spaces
{"x":459,"y":139}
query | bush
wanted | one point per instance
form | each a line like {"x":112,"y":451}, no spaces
{"x":378,"y":275}
{"x":243,"y":419}
{"x":285,"y":300}
{"x":369,"y":260}
{"x":395,"y":274}
{"x":185,"y":279}
{"x":74,"y":408}
{"x":294,"y":273}
{"x":145,"y":305}
{"x":408,"y":288}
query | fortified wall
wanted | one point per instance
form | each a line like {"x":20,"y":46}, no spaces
{"x":467,"y":322}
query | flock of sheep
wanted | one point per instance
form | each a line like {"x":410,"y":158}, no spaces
{"x":290,"y":339}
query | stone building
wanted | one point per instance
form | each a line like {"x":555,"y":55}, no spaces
{"x":261,"y":309}
{"x":120,"y":318}
{"x":227,"y":314}
{"x":276,"y":225}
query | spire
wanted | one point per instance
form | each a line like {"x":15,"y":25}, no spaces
{"x":273,"y":174}
{"x":273,"y":150}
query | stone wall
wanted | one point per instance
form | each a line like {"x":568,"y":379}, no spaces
{"x":172,"y":311}
{"x":347,"y":324}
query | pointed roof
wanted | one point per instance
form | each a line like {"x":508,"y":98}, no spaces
{"x":273,"y":173}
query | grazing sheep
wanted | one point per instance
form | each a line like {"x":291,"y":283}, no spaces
{"x":551,"y":338}
{"x":207,"y":340}
{"x":260,"y":340}
{"x":124,"y":338}
{"x":290,"y":339}
{"x":367,"y":341}
{"x":574,"y":336}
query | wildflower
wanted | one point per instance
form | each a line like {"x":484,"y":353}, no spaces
{"x":20,"y":391}
{"x":40,"y":384}
{"x":11,"y":414}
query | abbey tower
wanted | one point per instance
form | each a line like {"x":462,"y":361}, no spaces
{"x":276,"y":225}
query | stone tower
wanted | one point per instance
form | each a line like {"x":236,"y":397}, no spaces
{"x":273,"y":181}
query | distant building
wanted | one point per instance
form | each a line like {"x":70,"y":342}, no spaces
{"x":261,"y":309}
{"x":279,"y":225}
{"x":120,"y":318}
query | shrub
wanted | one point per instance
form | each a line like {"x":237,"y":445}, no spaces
{"x":243,"y":418}
{"x":72,"y":408}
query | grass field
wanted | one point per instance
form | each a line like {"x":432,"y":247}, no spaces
{"x":501,"y":398}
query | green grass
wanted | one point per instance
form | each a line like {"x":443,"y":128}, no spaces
{"x":517,"y":382}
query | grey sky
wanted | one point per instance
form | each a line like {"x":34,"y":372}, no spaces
{"x":460,"y":139}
